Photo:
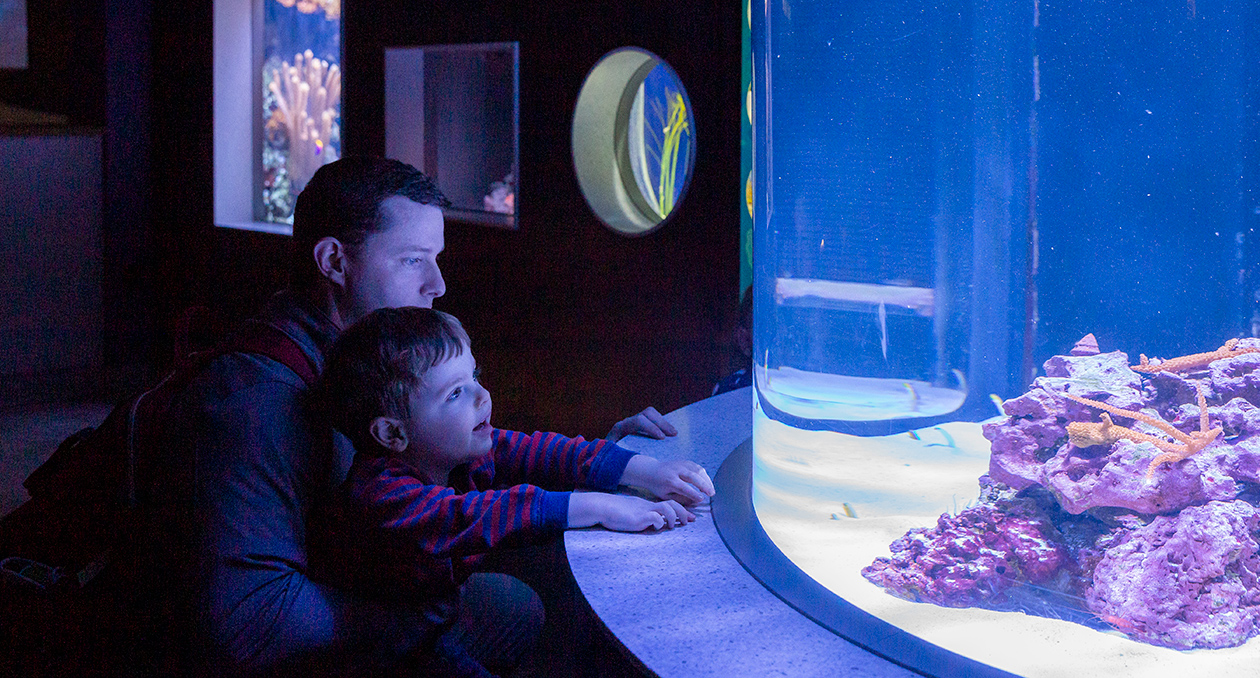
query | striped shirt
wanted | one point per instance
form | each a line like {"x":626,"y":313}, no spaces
{"x":391,"y":533}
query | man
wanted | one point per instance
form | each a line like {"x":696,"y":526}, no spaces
{"x":245,"y":466}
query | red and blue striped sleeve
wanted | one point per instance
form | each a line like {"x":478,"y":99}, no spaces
{"x":443,"y":522}
{"x":555,"y":462}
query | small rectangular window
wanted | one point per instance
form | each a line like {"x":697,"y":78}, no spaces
{"x":301,"y":99}
{"x":277,"y":105}
{"x":13,"y":34}
{"x":452,"y":111}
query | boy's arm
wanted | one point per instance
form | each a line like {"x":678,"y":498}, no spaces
{"x":625,"y":513}
{"x":555,"y":462}
{"x":441,"y":522}
{"x":680,"y":480}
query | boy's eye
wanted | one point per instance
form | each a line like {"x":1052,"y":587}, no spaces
{"x":477,"y":375}
{"x":455,"y":394}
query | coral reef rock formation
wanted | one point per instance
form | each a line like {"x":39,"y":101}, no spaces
{"x":1185,"y":581}
{"x":1132,"y":499}
{"x":971,"y":558}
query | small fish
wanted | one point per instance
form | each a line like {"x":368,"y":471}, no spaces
{"x":997,"y":402}
{"x":883,"y":329}
{"x":949,"y":440}
{"x":1118,"y":623}
{"x":848,"y":510}
{"x":915,"y":435}
{"x":914,"y":396}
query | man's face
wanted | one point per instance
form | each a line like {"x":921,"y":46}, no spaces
{"x":450,"y":417}
{"x":397,"y":266}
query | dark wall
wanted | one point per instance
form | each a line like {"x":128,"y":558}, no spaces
{"x":575,"y":326}
{"x":65,"y":71}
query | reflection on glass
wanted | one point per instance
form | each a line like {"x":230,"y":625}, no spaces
{"x":301,"y":98}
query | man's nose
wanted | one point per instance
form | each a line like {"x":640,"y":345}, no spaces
{"x":434,"y":286}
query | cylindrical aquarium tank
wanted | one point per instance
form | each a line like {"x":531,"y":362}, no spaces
{"x":1006,"y":384}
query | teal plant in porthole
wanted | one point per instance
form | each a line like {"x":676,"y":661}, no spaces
{"x":660,"y":139}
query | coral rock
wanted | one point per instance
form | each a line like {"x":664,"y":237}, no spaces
{"x":1186,"y":581}
{"x":1116,"y":478}
{"x":1087,"y":345}
{"x":972,"y":558}
{"x":1237,"y":377}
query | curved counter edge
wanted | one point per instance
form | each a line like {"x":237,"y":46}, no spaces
{"x":681,"y":603}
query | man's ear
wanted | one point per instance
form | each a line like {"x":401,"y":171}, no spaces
{"x":331,"y":259}
{"x":389,"y":432}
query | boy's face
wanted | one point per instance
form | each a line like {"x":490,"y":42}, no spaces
{"x":397,"y":266}
{"x":450,"y":417}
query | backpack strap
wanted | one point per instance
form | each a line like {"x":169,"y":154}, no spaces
{"x":267,"y":340}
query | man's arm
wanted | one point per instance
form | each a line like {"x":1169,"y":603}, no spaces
{"x":648,"y":423}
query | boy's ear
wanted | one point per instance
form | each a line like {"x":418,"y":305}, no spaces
{"x":330,"y":259}
{"x":389,"y":433}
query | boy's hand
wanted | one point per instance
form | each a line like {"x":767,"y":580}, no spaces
{"x":625,"y":513}
{"x":648,"y":423}
{"x":683,"y":481}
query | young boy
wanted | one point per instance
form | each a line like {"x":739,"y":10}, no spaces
{"x":434,"y":487}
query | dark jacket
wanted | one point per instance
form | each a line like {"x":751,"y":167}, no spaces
{"x":245,"y":468}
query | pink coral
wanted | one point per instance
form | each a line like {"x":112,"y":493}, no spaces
{"x":970,"y":559}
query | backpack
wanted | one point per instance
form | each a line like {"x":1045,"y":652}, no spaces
{"x":85,"y":500}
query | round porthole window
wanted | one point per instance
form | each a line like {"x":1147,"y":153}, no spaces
{"x":633,"y":140}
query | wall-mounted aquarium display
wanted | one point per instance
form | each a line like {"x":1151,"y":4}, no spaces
{"x":1005,"y":373}
{"x":13,"y":34}
{"x":453,"y":112}
{"x":301,"y":99}
{"x":277,"y":106}
{"x":633,"y":140}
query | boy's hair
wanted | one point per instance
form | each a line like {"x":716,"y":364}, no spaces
{"x":374,"y":365}
{"x":343,"y":200}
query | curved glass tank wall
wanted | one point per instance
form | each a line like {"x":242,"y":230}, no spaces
{"x":1006,"y":380}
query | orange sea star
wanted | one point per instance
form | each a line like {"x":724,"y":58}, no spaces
{"x":1085,"y":434}
{"x":1194,"y":360}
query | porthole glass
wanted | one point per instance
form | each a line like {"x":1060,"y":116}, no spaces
{"x":633,"y":140}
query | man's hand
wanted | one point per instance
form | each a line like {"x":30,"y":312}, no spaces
{"x":683,"y":481}
{"x":625,"y":513}
{"x":648,"y":423}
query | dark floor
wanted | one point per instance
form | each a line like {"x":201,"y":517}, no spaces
{"x":574,"y":643}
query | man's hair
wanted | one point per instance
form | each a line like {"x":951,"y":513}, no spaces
{"x":374,"y":365}
{"x":343,"y":200}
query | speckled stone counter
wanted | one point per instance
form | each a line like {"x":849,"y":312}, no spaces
{"x":681,"y":603}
